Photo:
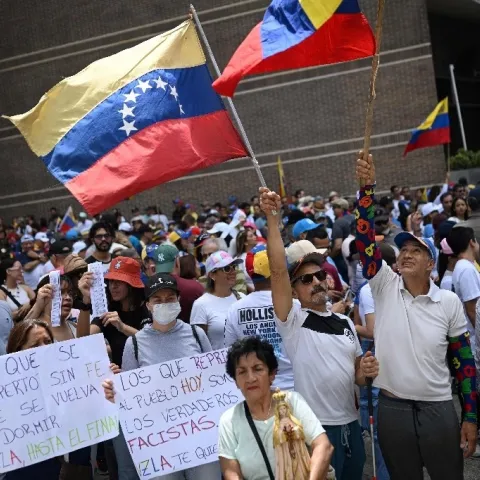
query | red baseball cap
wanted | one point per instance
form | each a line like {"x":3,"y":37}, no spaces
{"x":125,"y":269}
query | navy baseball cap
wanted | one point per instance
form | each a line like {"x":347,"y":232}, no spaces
{"x":403,"y":237}
{"x":303,"y":226}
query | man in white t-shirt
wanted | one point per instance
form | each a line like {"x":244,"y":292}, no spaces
{"x":254,"y":315}
{"x":324,"y":348}
{"x":465,"y":278}
{"x":417,"y":327}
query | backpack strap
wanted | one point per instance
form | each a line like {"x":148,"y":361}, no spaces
{"x":197,"y":338}
{"x":135,"y":347}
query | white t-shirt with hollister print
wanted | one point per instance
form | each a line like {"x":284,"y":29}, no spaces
{"x":254,"y":315}
{"x":323,"y":348}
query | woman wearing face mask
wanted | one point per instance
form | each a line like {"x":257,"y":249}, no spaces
{"x":166,"y":338}
{"x":211,"y":309}
{"x":126,"y":309}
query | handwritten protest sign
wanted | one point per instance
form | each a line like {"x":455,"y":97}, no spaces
{"x":98,"y":296}
{"x":52,"y":401}
{"x":169,"y":412}
{"x":54,"y":279}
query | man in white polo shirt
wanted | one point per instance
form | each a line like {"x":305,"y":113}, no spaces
{"x":416,"y":326}
{"x":322,"y":345}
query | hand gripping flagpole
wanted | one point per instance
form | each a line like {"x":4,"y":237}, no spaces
{"x":243,"y":134}
{"x":373,"y":81}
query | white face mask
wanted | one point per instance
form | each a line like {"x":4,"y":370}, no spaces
{"x":165,"y":313}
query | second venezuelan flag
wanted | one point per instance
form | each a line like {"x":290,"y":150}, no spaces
{"x":298,"y":34}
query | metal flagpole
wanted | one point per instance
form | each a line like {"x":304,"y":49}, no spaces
{"x":229,"y":100}
{"x":457,"y":104}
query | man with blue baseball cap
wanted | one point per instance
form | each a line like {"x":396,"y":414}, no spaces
{"x":417,"y":325}
{"x":302,"y":227}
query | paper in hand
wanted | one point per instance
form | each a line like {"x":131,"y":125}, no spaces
{"x":54,"y":280}
{"x":97,"y":292}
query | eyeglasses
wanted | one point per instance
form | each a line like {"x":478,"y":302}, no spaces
{"x":307,"y":278}
{"x":105,"y":236}
{"x":227,"y":269}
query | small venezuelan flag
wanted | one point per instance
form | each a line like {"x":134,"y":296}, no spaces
{"x":298,"y":34}
{"x":282,"y":184}
{"x":131,"y":121}
{"x":68,"y":222}
{"x":435,"y":130}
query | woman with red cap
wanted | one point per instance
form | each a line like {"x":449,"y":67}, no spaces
{"x":126,"y":309}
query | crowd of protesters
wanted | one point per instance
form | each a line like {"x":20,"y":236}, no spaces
{"x":336,"y":291}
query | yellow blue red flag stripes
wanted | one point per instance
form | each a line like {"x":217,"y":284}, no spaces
{"x":131,"y":121}
{"x":68,"y":221}
{"x":297,"y":34}
{"x":282,"y":184}
{"x":435,"y":130}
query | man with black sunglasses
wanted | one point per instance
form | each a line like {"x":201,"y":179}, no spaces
{"x":323,"y":346}
{"x":101,"y":235}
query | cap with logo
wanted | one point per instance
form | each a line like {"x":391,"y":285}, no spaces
{"x":427,"y":243}
{"x":60,"y":247}
{"x":219,"y":260}
{"x":164,"y":257}
{"x":160,"y":281}
{"x":42,"y":237}
{"x":257,"y":265}
{"x":303,"y":226}
{"x":125,"y":269}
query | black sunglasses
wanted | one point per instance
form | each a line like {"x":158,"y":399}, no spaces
{"x":106,"y":236}
{"x":307,"y":278}
{"x":227,"y":269}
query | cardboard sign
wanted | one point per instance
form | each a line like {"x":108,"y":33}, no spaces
{"x":169,"y":412}
{"x":52,"y":401}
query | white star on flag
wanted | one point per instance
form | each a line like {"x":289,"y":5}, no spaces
{"x":143,"y":85}
{"x":131,"y":97}
{"x":173,"y":92}
{"x":126,"y":111}
{"x":160,"y":83}
{"x":128,"y":127}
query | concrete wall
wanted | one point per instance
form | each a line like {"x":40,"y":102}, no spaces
{"x":314,"y":118}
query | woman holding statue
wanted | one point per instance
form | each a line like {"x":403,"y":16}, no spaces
{"x":266,"y":437}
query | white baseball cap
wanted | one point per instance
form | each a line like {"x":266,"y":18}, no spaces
{"x":79,"y":247}
{"x":297,"y":250}
{"x":42,"y":236}
{"x":428,"y":208}
{"x":219,"y":227}
{"x":125,"y":227}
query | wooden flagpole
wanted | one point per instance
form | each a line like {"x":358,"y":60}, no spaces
{"x":373,"y":81}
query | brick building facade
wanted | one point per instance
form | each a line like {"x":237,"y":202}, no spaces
{"x":313,"y":118}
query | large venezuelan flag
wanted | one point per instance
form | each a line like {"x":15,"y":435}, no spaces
{"x":298,"y":34}
{"x":435,"y":130}
{"x":131,"y":121}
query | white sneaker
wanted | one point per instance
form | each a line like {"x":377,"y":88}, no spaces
{"x":476,"y":453}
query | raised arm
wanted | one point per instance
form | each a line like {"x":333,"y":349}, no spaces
{"x":365,"y":219}
{"x":280,"y":281}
